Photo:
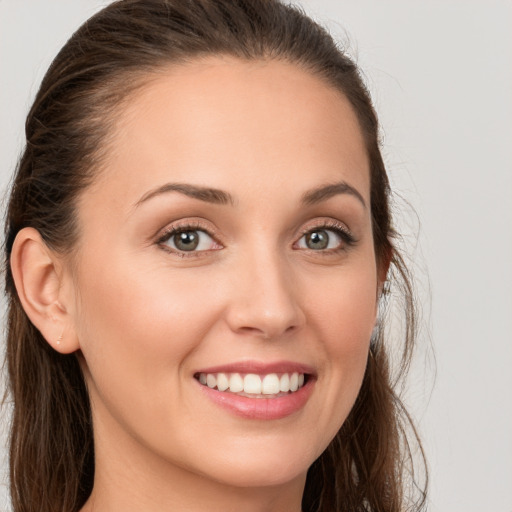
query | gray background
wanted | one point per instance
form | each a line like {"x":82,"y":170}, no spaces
{"x":440,"y":72}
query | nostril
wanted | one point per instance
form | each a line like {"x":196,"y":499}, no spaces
{"x":266,"y":334}
{"x":253,"y":331}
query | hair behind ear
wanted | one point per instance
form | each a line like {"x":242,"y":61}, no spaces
{"x":52,"y":405}
{"x":52,"y":413}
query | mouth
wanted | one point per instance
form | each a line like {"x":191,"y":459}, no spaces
{"x":254,"y":385}
{"x":258,"y":391}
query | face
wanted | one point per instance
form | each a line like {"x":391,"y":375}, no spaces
{"x":225,"y":277}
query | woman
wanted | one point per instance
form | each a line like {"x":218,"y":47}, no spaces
{"x":197,"y":242}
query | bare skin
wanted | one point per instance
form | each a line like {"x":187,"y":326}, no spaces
{"x":260,"y":286}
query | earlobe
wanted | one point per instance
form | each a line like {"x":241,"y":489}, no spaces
{"x":37,"y":274}
{"x":383,"y":265}
{"x":383,"y":268}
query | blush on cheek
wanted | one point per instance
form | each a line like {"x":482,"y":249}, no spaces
{"x":353,"y":320}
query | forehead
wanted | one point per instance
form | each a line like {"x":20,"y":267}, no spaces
{"x":224,"y":122}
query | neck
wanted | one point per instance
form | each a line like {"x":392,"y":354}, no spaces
{"x":132,"y":491}
{"x":131,"y":478}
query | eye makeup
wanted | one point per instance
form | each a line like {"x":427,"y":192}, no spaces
{"x":317,"y":234}
{"x":194,"y":238}
{"x":188,"y":238}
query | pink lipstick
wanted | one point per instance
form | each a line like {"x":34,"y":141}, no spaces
{"x":256,"y":390}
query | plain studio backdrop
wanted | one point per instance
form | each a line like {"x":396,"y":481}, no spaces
{"x":440,"y":73}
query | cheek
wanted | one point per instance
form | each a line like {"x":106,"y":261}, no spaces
{"x":344,"y":317}
{"x":346,"y":310}
{"x":137,"y":327}
{"x":148,"y":308}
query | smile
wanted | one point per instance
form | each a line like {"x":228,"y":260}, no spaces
{"x":252,"y":385}
{"x":258,"y":390}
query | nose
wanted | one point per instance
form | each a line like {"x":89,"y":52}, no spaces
{"x":265,"y":299}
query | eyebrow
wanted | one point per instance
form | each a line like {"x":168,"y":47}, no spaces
{"x":325,"y":192}
{"x":207,"y":194}
{"x":217,"y":196}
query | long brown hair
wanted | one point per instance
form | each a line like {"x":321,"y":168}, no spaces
{"x":368,"y":466}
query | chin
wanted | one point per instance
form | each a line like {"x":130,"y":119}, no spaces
{"x":267,"y":467}
{"x":268,"y":474}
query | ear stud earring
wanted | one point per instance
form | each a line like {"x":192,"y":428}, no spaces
{"x":59,"y":339}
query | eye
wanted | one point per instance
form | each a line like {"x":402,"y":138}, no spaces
{"x":183,"y":240}
{"x":320,"y":240}
{"x":325,"y":238}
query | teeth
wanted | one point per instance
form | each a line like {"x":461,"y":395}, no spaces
{"x":270,"y":384}
{"x":294,"y":382}
{"x":236,"y":383}
{"x":284,"y":383}
{"x":211,"y":380}
{"x":253,"y":384}
{"x":222,"y":382}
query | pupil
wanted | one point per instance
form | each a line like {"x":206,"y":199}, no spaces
{"x":186,"y":240}
{"x":317,"y":240}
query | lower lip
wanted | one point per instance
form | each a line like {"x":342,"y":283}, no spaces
{"x":261,"y":408}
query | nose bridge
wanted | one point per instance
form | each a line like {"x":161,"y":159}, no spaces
{"x":266,"y":301}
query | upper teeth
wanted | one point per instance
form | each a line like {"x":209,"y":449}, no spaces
{"x":251,"y":383}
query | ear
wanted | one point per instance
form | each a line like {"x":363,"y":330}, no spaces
{"x":39,"y":278}
{"x":383,"y":264}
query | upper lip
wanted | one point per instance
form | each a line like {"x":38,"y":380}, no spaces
{"x":260,"y":368}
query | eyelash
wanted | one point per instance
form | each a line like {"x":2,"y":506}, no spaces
{"x":348,"y":239}
{"x":173,"y":230}
{"x":338,"y":228}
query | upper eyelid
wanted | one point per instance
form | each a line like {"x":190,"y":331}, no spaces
{"x":326,"y":224}
{"x":186,"y":225}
